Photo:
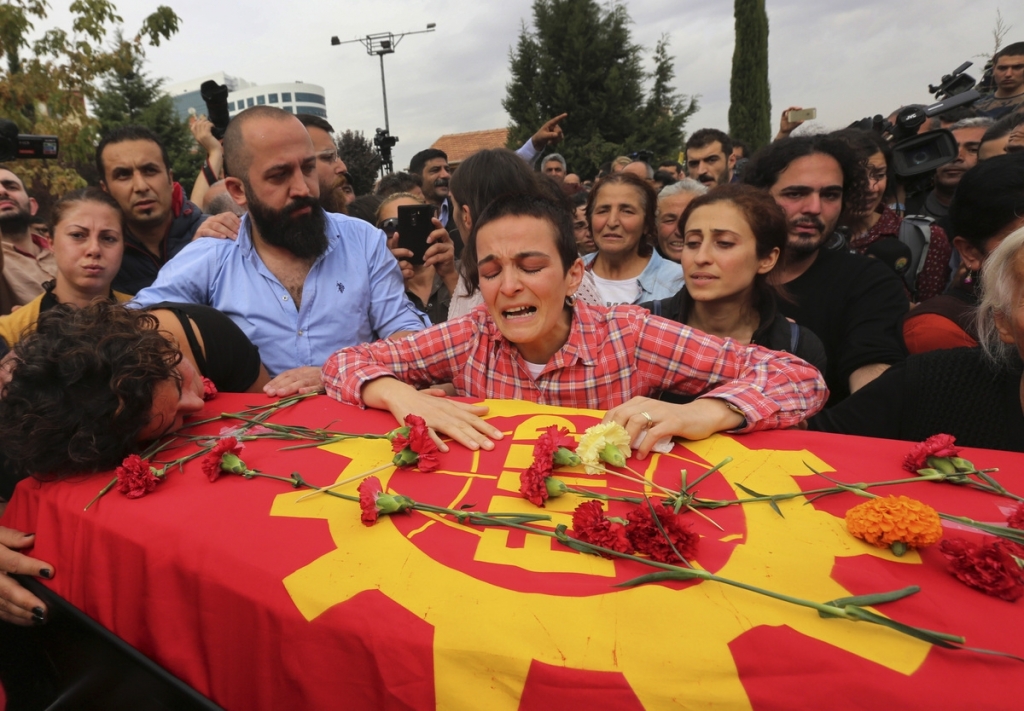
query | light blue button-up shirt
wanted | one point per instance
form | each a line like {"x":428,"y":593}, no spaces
{"x":353,"y":294}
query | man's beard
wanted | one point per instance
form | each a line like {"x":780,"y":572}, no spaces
{"x":14,"y":223}
{"x":801,"y":246}
{"x":332,"y":199}
{"x":305,"y":236}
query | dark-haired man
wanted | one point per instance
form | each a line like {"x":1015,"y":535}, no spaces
{"x":935,"y":204}
{"x":301,"y":283}
{"x":709,"y":157}
{"x":331,"y":170}
{"x":1008,"y":74}
{"x":431,"y":165}
{"x":28,"y":261}
{"x":400,"y":182}
{"x":135,"y":170}
{"x":852,"y":303}
{"x":988,"y":206}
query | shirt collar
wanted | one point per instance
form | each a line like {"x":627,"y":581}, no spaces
{"x":577,"y":346}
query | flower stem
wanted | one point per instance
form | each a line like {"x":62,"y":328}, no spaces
{"x":103,"y":492}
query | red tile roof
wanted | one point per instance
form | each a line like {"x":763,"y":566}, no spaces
{"x":460,"y":146}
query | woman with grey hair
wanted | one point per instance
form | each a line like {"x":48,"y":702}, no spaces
{"x":975,"y":394}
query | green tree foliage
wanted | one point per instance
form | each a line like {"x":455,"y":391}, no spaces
{"x":362,"y":161}
{"x":45,"y":84}
{"x":750,"y":104}
{"x":132,"y":97}
{"x":579,"y":59}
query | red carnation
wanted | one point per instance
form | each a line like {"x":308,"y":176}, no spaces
{"x":373,"y":501}
{"x":590,"y":525}
{"x":531,"y":482}
{"x":369,"y":489}
{"x":1016,"y":519}
{"x":646,"y":538}
{"x":134,"y":477}
{"x":417,"y":448}
{"x":551,"y":439}
{"x":989,"y":568}
{"x":209,"y":389}
{"x":213,"y":464}
{"x":940,"y":445}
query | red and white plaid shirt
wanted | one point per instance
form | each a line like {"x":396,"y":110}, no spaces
{"x":611,"y":355}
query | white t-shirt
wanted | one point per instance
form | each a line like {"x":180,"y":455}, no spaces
{"x":617,"y":291}
{"x":534,"y":369}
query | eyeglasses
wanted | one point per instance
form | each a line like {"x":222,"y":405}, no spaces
{"x":389,"y":226}
{"x":328,"y":156}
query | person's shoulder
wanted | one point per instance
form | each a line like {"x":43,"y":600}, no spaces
{"x":352,"y":227}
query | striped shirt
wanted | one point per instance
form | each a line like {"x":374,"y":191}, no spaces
{"x":611,"y":355}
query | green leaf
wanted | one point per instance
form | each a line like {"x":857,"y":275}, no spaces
{"x":873,"y":599}
{"x":775,"y":507}
{"x":709,"y":472}
{"x":661,"y":577}
{"x":750,"y":491}
{"x":939,"y":639}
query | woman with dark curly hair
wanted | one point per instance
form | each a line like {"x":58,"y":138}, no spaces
{"x":91,"y":384}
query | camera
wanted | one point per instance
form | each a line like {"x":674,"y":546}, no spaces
{"x":15,"y":145}
{"x":216,"y":97}
{"x":916,"y":156}
{"x":643,"y":155}
{"x":384,"y":142}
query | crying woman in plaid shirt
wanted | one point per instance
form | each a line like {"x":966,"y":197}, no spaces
{"x":532,"y":341}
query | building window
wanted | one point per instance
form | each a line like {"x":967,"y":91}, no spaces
{"x":231,"y":106}
{"x":272,"y":98}
{"x":311,"y":98}
{"x":311,"y":110}
{"x":288,"y":109}
{"x":249,"y":101}
{"x":286,"y":96}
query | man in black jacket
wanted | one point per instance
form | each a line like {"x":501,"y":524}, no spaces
{"x":135,"y":170}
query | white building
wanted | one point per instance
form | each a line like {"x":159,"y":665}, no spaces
{"x":295,"y":97}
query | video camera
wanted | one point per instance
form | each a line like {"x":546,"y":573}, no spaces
{"x":16,"y":145}
{"x":216,"y":97}
{"x":919,"y":155}
{"x":384,"y":142}
{"x":643,"y":155}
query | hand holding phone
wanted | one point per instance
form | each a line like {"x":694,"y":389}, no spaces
{"x":801,"y":115}
{"x":414,"y":226}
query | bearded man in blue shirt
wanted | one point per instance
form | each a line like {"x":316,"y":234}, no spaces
{"x":301,"y":283}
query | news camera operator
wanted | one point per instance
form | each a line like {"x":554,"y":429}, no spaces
{"x":877,"y":230}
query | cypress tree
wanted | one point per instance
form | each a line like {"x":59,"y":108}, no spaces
{"x":750,"y":105}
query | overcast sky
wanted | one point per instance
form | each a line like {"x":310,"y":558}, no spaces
{"x":847,"y":58}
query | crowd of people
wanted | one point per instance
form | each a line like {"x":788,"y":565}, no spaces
{"x":727,"y":292}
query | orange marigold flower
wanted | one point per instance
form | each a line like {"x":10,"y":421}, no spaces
{"x":894,"y":519}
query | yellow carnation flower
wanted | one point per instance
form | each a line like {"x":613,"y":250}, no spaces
{"x":596,"y":439}
{"x":895,"y":521}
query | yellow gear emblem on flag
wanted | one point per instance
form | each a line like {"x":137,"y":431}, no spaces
{"x":486,"y":633}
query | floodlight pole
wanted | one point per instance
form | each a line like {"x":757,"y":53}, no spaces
{"x":380,"y":44}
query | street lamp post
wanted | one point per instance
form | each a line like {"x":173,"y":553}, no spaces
{"x":380,"y":44}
